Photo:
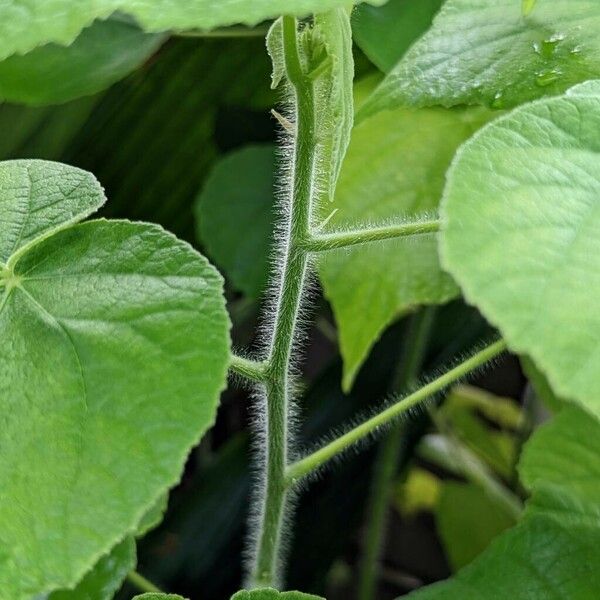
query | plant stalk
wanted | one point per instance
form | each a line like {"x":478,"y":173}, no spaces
{"x":386,"y":461}
{"x":314,"y":461}
{"x":267,"y":565}
{"x":141,"y":583}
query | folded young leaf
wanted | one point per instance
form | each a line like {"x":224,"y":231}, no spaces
{"x":102,"y":54}
{"x":555,"y":550}
{"x":105,"y":579}
{"x":61,"y":21}
{"x":489,"y":52}
{"x":520,"y":235}
{"x":394,"y":169}
{"x":116,"y":349}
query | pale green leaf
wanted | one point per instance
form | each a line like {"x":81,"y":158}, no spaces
{"x":554,"y":551}
{"x":102,"y":54}
{"x":520,"y":234}
{"x":394,"y":168}
{"x":247,"y":200}
{"x":385,"y":33}
{"x":23,"y":27}
{"x":468,"y":520}
{"x":116,"y":350}
{"x":105,"y":579}
{"x":271,"y":594}
{"x":488,"y":52}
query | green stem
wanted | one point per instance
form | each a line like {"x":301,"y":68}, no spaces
{"x":447,"y":452}
{"x":387,"y":457}
{"x":250,"y":369}
{"x":141,"y":583}
{"x":342,"y":239}
{"x":265,"y":571}
{"x":318,"y":458}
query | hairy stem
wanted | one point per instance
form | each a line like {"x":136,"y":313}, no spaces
{"x":387,"y":457}
{"x":293,"y":278}
{"x":322,"y":242}
{"x":250,"y":369}
{"x":315,"y":460}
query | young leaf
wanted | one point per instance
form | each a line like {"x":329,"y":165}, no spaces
{"x":555,"y":550}
{"x":270,"y":594}
{"x":62,"y":20}
{"x":487,"y":52}
{"x":333,"y":89}
{"x":103,"y":53}
{"x":395,"y":166}
{"x":117,"y":347}
{"x":520,"y":221}
{"x":105,"y":579}
{"x":225,"y":203}
{"x":385,"y":33}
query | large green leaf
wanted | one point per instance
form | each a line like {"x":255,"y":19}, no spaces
{"x":271,"y":594}
{"x":520,"y":234}
{"x":105,"y":579}
{"x":116,"y":350}
{"x":487,"y":51}
{"x":226,"y":202}
{"x":555,"y":551}
{"x":102,"y":54}
{"x":23,"y":27}
{"x":385,"y":33}
{"x":394,"y":168}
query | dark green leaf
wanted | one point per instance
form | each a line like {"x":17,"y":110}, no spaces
{"x":104,"y":52}
{"x":385,"y":33}
{"x":235,"y":216}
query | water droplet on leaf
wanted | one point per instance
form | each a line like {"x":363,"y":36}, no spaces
{"x":547,"y":77}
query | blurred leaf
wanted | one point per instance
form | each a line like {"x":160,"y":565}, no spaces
{"x":487,"y":52}
{"x":271,"y":594}
{"x":541,"y":385}
{"x":394,"y":168}
{"x":519,"y":234}
{"x":102,"y":319}
{"x":554,"y":551}
{"x":467,"y":521}
{"x":105,"y":578}
{"x":235,"y":216}
{"x":497,"y":448}
{"x":62,"y":20}
{"x":385,"y":33}
{"x":104,"y":52}
{"x":419,"y":493}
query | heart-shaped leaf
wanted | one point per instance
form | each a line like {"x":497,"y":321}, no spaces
{"x":521,"y":217}
{"x":116,"y":346}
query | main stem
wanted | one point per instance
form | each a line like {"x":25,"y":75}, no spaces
{"x":293,"y":279}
